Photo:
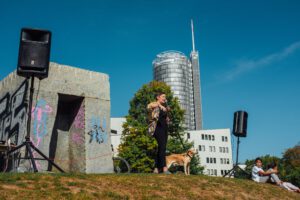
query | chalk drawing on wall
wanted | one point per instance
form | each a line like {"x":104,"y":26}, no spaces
{"x":77,"y":131}
{"x":98,"y":130}
{"x":40,"y":114}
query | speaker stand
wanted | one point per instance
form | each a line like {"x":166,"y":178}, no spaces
{"x":236,"y":167}
{"x":27,"y":143}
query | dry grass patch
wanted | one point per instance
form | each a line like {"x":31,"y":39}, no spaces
{"x":134,"y":186}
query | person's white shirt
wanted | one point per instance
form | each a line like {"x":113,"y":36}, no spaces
{"x":255,"y":174}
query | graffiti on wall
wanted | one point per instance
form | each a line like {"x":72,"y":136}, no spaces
{"x":77,"y":138}
{"x":77,"y":131}
{"x":98,"y":130}
{"x":79,"y":119}
{"x":39,"y":116}
{"x":13,"y":114}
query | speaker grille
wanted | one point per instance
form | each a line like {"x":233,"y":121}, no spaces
{"x":34,"y":53}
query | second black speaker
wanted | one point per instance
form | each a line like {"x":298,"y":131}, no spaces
{"x":240,"y":124}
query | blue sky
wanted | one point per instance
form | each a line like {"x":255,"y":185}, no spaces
{"x":249,"y":54}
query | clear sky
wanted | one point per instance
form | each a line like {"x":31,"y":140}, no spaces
{"x":249,"y":54}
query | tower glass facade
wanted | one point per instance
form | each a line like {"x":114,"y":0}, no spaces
{"x":176,"y":70}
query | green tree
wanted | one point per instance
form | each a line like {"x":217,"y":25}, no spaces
{"x":137,"y":147}
{"x":267,"y":159}
{"x":291,"y":165}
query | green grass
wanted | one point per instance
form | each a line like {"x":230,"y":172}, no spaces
{"x":133,"y":186}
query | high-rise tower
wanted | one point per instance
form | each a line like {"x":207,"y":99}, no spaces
{"x":194,"y":57}
{"x":183,"y":76}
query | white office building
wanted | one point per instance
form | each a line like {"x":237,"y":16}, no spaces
{"x":214,"y":150}
{"x":116,"y":132}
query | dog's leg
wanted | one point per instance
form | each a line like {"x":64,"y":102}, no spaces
{"x":185,"y":168}
{"x":168,"y":164}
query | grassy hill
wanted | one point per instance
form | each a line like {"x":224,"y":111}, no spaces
{"x":134,"y":186}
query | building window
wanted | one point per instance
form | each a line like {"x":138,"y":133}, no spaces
{"x":220,"y":148}
{"x":227,"y":150}
{"x":214,"y":149}
{"x":213,"y":138}
{"x":215,"y":160}
{"x":201,"y":148}
{"x":210,"y":148}
{"x":211,"y":160}
{"x":207,"y":160}
{"x":221,"y":160}
{"x":188,"y":136}
{"x":202,"y":135}
{"x":215,"y":172}
{"x":226,"y":139}
{"x":209,"y":137}
{"x":206,"y":137}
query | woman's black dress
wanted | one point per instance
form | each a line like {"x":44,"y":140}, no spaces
{"x":161,"y":136}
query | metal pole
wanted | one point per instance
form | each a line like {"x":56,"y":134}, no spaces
{"x":193,"y":39}
{"x":30,"y":108}
{"x":237,"y":151}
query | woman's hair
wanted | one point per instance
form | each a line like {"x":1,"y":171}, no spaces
{"x":159,"y":94}
{"x":271,"y":165}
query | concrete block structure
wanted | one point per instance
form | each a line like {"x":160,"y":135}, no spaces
{"x":70,"y":118}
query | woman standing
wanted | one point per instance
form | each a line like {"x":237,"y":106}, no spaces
{"x":158,"y":127}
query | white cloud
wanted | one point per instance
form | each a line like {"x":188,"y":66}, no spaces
{"x":247,"y":65}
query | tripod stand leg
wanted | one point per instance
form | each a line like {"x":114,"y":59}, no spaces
{"x":234,"y":169}
{"x":229,"y":173}
{"x":45,"y":157}
{"x":31,"y":157}
{"x":18,"y":147}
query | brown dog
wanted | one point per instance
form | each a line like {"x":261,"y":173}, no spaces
{"x":183,"y":159}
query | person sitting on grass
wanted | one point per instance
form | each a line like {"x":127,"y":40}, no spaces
{"x":286,"y":185}
{"x":259,"y":175}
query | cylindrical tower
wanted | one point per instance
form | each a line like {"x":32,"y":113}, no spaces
{"x":174,"y":68}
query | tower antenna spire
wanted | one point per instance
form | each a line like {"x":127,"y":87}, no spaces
{"x":193,"y":39}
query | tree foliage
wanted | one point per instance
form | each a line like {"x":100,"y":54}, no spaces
{"x":137,"y":147}
{"x":291,"y":165}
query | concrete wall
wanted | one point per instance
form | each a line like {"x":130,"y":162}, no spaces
{"x":70,"y":118}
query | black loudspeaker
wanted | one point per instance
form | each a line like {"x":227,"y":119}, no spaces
{"x":240,"y":124}
{"x":34,"y":53}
